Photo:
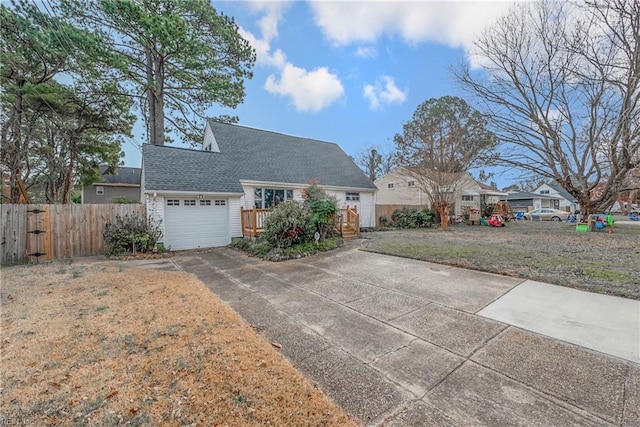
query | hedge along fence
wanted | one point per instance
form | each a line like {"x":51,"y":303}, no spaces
{"x":44,"y":232}
{"x":388,"y":210}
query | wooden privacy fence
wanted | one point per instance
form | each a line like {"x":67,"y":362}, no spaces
{"x":44,"y":232}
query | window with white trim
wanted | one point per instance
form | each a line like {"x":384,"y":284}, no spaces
{"x":269,"y":197}
{"x":189,"y":203}
{"x":391,"y":186}
{"x":467,"y":198}
{"x":353,"y":197}
{"x":220,"y":202}
{"x":411,"y":183}
{"x":205,"y":202}
{"x":173,"y":202}
{"x":99,"y":190}
{"x":544,"y":191}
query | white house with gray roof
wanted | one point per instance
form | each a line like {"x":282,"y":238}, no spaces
{"x":566,"y":201}
{"x":197,"y":195}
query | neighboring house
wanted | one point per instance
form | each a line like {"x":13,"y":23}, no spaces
{"x":567,"y":202}
{"x":197,"y":195}
{"x":524,"y":201}
{"x":400,"y":188}
{"x":489,"y":195}
{"x":123,"y":187}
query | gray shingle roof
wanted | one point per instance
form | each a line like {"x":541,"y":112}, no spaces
{"x":180,"y":169}
{"x":250,"y":154}
{"x":125,"y":175}
{"x":564,"y":193}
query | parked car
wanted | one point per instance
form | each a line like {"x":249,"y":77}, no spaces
{"x":547,"y":215}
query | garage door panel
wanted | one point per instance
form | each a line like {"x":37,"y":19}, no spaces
{"x":191,"y":227}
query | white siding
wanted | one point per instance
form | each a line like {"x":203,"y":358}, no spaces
{"x":401,"y":193}
{"x":365,"y":206}
{"x":235,"y":225}
{"x":155,"y":210}
{"x":209,"y":141}
{"x":340,"y":196}
{"x":249,"y":197}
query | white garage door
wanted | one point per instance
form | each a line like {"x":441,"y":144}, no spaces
{"x":196,"y":223}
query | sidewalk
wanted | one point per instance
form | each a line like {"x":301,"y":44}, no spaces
{"x":603,"y":323}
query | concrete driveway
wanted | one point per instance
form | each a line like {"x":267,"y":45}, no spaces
{"x":399,"y":342}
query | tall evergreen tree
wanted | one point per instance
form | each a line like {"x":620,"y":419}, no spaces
{"x":180,"y":57}
{"x":38,"y":50}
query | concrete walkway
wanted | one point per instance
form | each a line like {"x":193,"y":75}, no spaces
{"x":400,"y":342}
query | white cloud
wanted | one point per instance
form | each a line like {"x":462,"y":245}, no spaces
{"x":273,"y":12}
{"x":454,"y":24}
{"x":366,"y":52}
{"x":309,"y":90}
{"x":384,"y":91}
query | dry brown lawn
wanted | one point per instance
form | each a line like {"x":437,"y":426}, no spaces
{"x":95,"y":345}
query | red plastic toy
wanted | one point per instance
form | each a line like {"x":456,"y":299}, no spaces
{"x":496,"y":221}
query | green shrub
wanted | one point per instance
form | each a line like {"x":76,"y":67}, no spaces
{"x":257,"y":248}
{"x":131,"y":234}
{"x":290,"y":227}
{"x":412,"y":218}
{"x":324,"y":209}
{"x":303,"y":249}
{"x":287,"y":224}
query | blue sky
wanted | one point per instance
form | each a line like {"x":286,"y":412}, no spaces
{"x":349,"y":72}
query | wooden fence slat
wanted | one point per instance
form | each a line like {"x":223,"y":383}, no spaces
{"x":46,"y":237}
{"x":13,"y":240}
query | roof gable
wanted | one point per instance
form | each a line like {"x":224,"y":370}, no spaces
{"x":562,"y":192}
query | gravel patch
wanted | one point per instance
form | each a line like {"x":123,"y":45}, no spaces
{"x":544,"y":251}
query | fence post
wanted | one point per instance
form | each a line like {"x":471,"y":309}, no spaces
{"x":254,"y":214}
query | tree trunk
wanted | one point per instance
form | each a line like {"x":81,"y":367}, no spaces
{"x":15,"y":156}
{"x":155,"y":97}
{"x":444,"y":217}
{"x":151,"y":103}
{"x":587,"y":206}
{"x":68,"y":177}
